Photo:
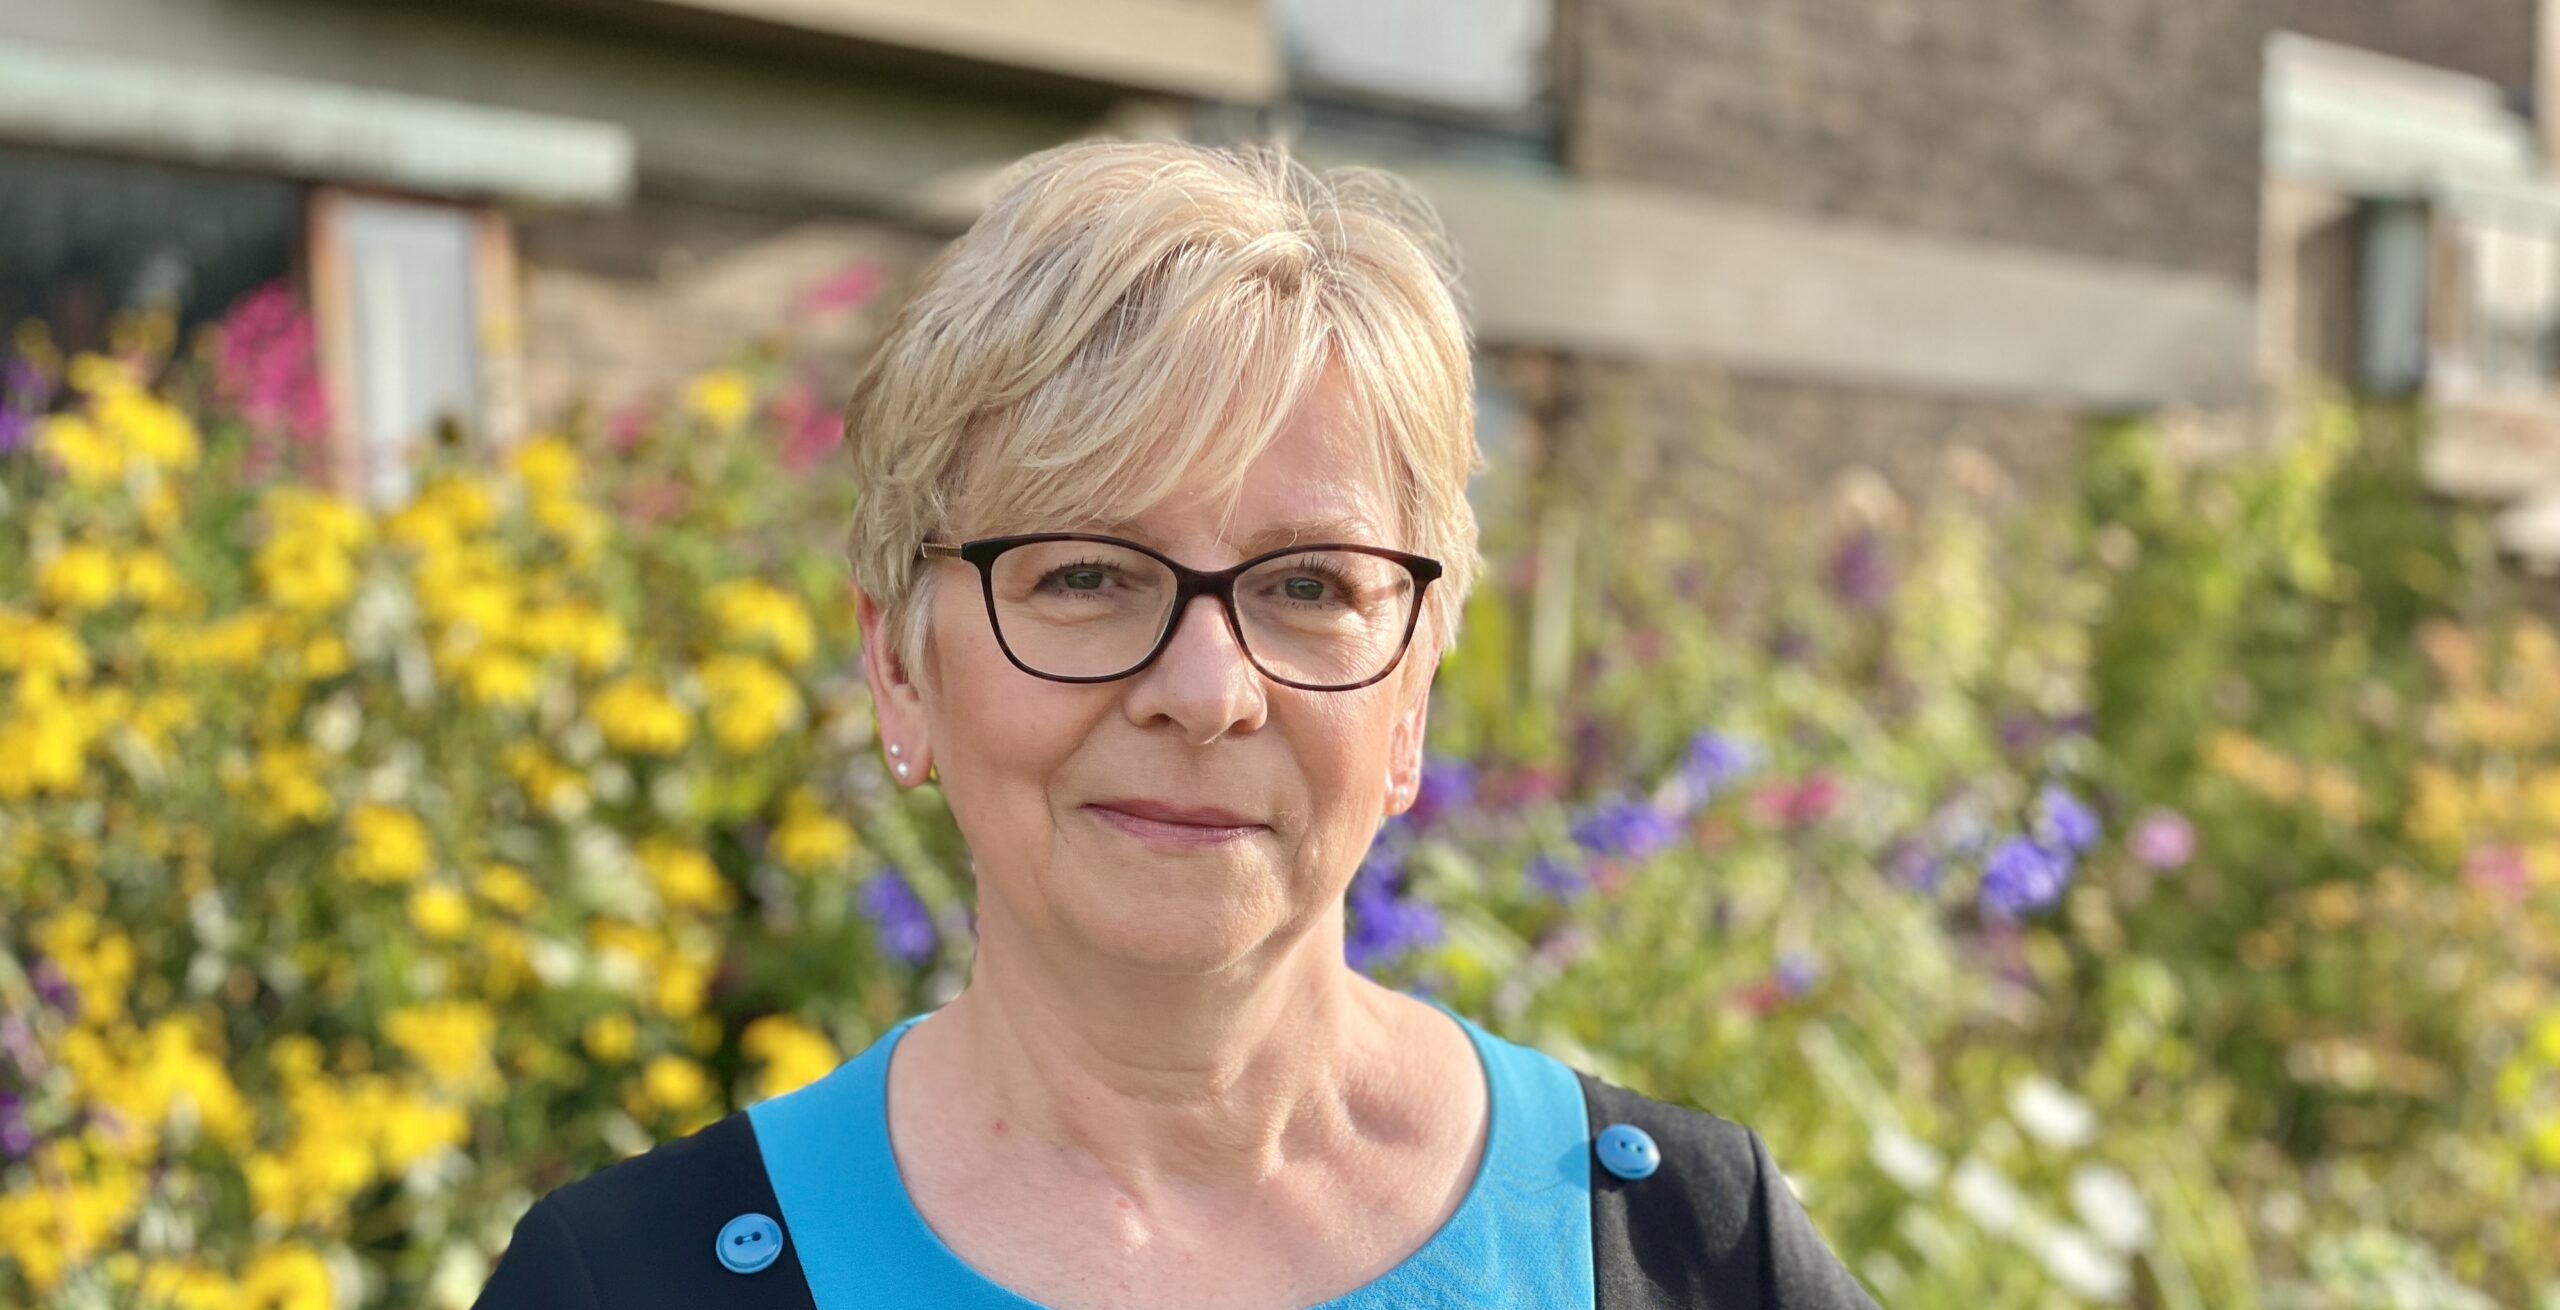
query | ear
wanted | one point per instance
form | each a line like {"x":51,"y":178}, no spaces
{"x":1404,"y":744}
{"x":895,"y":696}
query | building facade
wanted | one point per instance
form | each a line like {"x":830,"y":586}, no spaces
{"x":1766,"y":241}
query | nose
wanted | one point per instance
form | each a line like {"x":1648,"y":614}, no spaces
{"x":1202,"y":680}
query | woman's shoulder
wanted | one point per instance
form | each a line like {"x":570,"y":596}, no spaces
{"x":1696,"y":1212}
{"x":648,"y":1231}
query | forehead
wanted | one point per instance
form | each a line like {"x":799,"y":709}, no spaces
{"x":1320,"y":478}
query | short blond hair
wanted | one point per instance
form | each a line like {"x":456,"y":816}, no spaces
{"x":1128,"y":317}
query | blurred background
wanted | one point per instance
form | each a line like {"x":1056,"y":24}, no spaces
{"x":2017,"y":657}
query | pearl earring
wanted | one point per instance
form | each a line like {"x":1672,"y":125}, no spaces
{"x":896,"y":750}
{"x":902,"y":768}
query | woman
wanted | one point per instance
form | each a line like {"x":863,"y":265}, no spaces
{"x":1162,"y":531}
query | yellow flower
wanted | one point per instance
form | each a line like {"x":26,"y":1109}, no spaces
{"x":295,"y":1056}
{"x":162,"y":509}
{"x":2546,"y":1143}
{"x":50,"y":1230}
{"x":307,"y":563}
{"x":242,"y":641}
{"x":747,"y":610}
{"x":721,"y":398}
{"x":80,"y":577}
{"x":546,"y":782}
{"x":44,"y":744}
{"x":325,"y":656}
{"x":305,"y":574}
{"x":439,"y":912}
{"x":494,"y":677}
{"x":151,"y":580}
{"x":184,"y":1285}
{"x":505,"y":886}
{"x":808,"y":838}
{"x":638,"y":718}
{"x":791,"y":1054}
{"x":2546,"y":1039}
{"x":387,"y":845}
{"x":448,"y":1039}
{"x":286,"y":1277}
{"x":546,"y":464}
{"x":674,"y":1084}
{"x":682,"y":985}
{"x":510,"y":961}
{"x":685,"y":877}
{"x":88,"y":457}
{"x":442,"y":514}
{"x":409,"y":1128}
{"x":148,"y":427}
{"x":750,"y":702}
{"x":609,"y":1037}
{"x":579,"y":630}
{"x":94,"y":957}
{"x":579,"y":527}
{"x":41,"y":649}
{"x":290,"y":790}
{"x":2438,"y":815}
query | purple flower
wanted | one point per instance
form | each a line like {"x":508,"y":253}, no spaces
{"x":1383,"y":862}
{"x":2062,"y":822}
{"x":1624,"y":829}
{"x":16,"y":1139}
{"x":1385,"y":925}
{"x":2163,"y":839}
{"x":54,"y":988}
{"x":1716,"y":758}
{"x":2020,"y":731}
{"x":1911,"y":864}
{"x":1796,"y":973}
{"x":14,"y":428}
{"x":1859,"y":576}
{"x":1555,"y":877}
{"x":2021,"y":877}
{"x":1446,"y":787}
{"x":905,"y":926}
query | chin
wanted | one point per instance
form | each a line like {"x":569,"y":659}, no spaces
{"x":1198,"y":930}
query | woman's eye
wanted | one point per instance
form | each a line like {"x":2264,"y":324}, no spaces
{"x":1079,"y":579}
{"x":1304,"y":589}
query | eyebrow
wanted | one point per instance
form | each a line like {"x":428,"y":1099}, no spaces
{"x":1323,"y":527}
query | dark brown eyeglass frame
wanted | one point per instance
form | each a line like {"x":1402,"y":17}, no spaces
{"x":1188,"y":584}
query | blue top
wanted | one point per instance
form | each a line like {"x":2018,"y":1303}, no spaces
{"x":1522,"y":1236}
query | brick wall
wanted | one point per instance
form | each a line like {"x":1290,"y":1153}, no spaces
{"x":2487,"y":38}
{"x":2124,"y":129}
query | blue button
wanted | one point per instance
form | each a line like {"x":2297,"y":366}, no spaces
{"x":750,"y":1242}
{"x":1628,"y":1151}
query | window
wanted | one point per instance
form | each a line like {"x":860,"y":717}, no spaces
{"x":84,"y":240}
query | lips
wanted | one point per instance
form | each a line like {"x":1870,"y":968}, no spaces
{"x":1197,"y":816}
{"x":1169,"y":828}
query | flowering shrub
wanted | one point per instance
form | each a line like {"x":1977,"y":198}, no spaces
{"x":2142,"y":901}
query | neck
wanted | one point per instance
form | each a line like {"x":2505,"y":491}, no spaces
{"x":1192,"y":1083}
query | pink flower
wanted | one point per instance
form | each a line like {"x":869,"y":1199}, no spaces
{"x":845,"y":291}
{"x":1795,"y":804}
{"x":267,"y":368}
{"x":2498,"y":871}
{"x":809,"y":429}
{"x":2163,"y":839}
{"x":627,"y":426}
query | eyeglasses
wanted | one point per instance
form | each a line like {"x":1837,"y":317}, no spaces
{"x":1076,"y":607}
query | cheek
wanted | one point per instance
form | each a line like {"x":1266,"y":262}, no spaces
{"x":1345,"y":753}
